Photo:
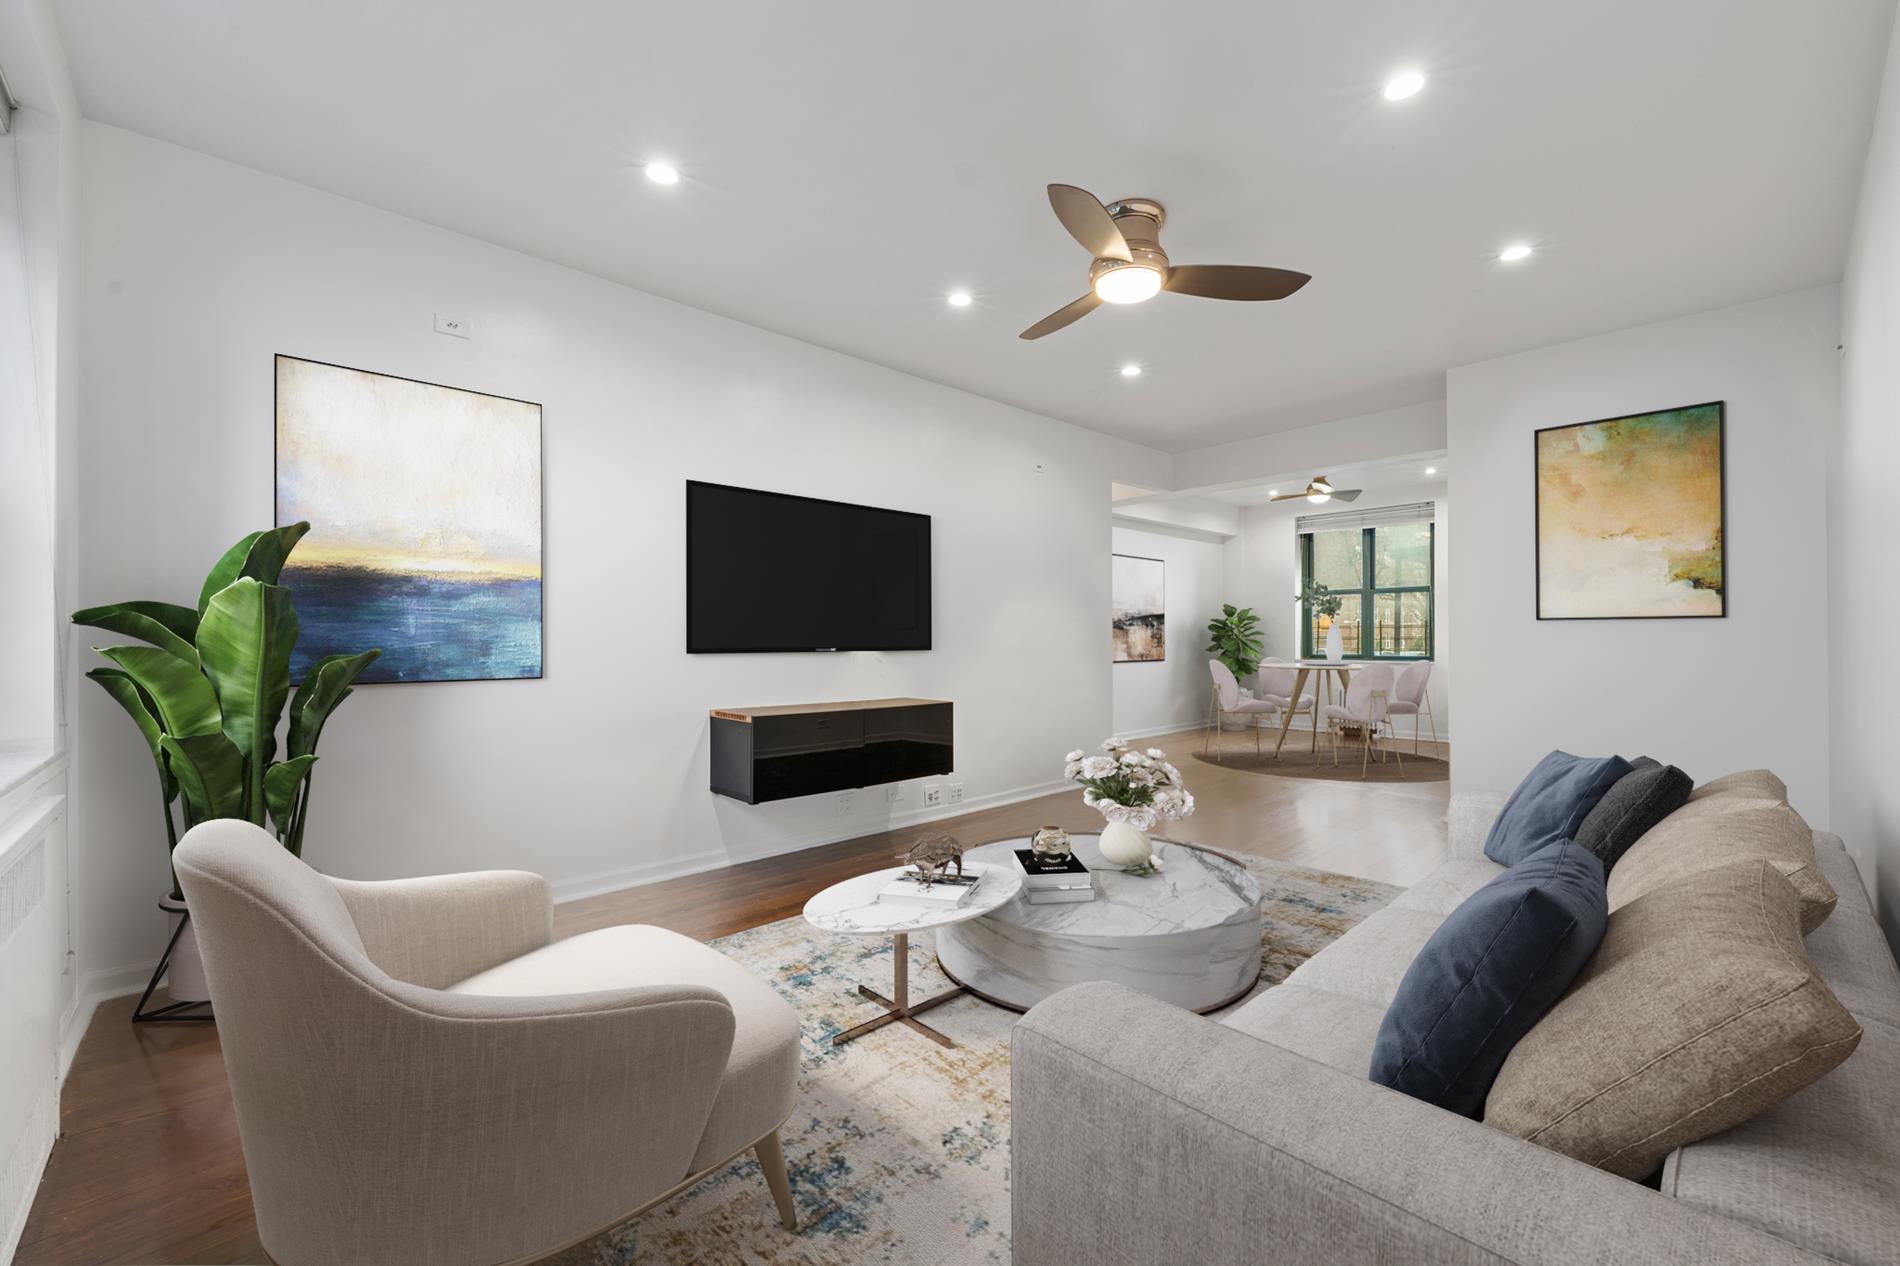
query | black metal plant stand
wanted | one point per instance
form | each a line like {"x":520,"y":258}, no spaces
{"x":175,"y":1012}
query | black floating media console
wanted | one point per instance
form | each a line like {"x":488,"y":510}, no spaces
{"x":775,"y":753}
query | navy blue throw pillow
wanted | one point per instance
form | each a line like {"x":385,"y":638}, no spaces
{"x":1550,"y":804}
{"x":1487,"y":975}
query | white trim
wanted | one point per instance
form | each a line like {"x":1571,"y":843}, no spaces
{"x":24,"y":1167}
{"x":716,"y":858}
{"x":1157,"y":731}
{"x":94,"y":988}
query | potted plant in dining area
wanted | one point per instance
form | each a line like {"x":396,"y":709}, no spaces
{"x":1234,"y":639}
{"x":1325,"y":604}
{"x":1133,"y":790}
{"x":207,"y":693}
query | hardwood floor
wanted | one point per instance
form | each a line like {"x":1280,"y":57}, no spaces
{"x":148,"y":1167}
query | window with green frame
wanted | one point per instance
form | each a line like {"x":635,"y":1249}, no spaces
{"x":1382,"y":575}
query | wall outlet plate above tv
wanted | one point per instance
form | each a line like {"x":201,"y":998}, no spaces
{"x":771,"y":571}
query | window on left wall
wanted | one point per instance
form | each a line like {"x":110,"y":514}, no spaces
{"x":1380,"y":564}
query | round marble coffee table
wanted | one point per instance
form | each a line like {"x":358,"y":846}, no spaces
{"x":1189,"y":935}
{"x":852,"y":909}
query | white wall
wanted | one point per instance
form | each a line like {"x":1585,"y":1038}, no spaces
{"x":1263,"y":570}
{"x":198,"y":271}
{"x":1863,"y":607}
{"x":1710,"y":695}
{"x":1153,"y":698}
{"x":1411,"y":431}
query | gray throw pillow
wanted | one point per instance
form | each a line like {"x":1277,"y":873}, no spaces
{"x":1650,"y":792}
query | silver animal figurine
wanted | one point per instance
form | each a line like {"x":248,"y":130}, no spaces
{"x":933,"y":856}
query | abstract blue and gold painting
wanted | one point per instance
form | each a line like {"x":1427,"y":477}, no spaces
{"x":424,"y":505}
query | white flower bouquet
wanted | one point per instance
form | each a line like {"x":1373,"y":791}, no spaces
{"x":1130,"y":788}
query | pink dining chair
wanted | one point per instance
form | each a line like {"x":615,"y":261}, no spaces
{"x":1364,"y":708}
{"x":1227,"y":701}
{"x":1410,"y":697}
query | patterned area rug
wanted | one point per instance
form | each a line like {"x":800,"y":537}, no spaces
{"x":899,"y":1149}
{"x":1302,"y":762}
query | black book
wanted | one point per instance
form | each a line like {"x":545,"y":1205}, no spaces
{"x":1048,"y":867}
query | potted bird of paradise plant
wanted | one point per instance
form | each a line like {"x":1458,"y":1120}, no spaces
{"x":207,"y":692}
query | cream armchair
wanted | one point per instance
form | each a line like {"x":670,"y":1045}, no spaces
{"x":422,"y":1076}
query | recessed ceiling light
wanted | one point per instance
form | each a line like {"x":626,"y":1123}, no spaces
{"x":1273,"y":492}
{"x":1131,"y":370}
{"x":1514,"y":252}
{"x":1431,"y":470}
{"x":1403,"y":84}
{"x":661,"y":172}
{"x":959,"y":299}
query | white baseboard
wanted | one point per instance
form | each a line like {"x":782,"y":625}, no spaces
{"x":94,"y":988}
{"x":713,"y":858}
{"x":1156,"y":731}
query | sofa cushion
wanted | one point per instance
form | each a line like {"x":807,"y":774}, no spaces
{"x":1446,"y":888}
{"x":1650,"y":792}
{"x":762,"y":1067}
{"x":1327,"y":1027}
{"x":1550,"y":804}
{"x":1367,"y":963}
{"x":1700,"y":1010}
{"x":1821,"y":1169}
{"x":1730,"y":820}
{"x":1488,"y":973}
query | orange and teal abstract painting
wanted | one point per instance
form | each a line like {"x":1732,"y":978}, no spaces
{"x":424,"y":505}
{"x":1629,"y":517}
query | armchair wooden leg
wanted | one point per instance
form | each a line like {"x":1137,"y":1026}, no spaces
{"x":772,"y":1161}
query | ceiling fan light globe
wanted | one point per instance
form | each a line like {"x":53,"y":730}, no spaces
{"x":1131,"y":283}
{"x":1319,"y":498}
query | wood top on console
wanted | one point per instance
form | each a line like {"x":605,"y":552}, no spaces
{"x":845,"y":705}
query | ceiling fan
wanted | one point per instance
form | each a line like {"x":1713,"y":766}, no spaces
{"x":1320,"y":491}
{"x":1130,"y":266}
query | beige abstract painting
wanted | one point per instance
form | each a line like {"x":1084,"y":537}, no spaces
{"x":1629,"y":517}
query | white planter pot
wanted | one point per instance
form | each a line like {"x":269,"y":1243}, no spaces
{"x":1123,"y":845}
{"x":185,"y":973}
{"x":1335,"y":650}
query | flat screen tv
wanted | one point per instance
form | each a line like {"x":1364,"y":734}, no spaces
{"x":767,"y":571}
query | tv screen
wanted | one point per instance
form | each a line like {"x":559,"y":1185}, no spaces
{"x":767,"y":571}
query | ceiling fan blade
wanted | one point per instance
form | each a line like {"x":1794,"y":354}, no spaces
{"x":1347,"y":494}
{"x":1063,"y":316}
{"x":1289,"y":496}
{"x":1234,"y":281}
{"x":1088,"y":222}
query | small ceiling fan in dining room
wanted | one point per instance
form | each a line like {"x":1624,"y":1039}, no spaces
{"x":1319,"y":491}
{"x":1124,"y":237}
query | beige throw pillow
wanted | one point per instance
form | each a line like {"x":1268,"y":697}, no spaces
{"x":1732,"y":819}
{"x":1699,"y":1011}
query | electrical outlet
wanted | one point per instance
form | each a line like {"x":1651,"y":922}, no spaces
{"x":454,"y":327}
{"x":933,"y":794}
{"x":846,"y":800}
{"x":956,"y":793}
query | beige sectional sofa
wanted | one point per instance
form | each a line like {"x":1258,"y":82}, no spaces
{"x":1145,"y":1134}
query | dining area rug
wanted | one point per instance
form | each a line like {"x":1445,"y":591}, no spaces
{"x":1298,"y":760}
{"x":899,"y":1148}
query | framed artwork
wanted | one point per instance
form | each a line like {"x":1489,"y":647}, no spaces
{"x":1630,"y":517}
{"x":1138,"y":589}
{"x":424,"y":505}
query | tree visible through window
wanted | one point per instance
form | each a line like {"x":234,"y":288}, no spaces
{"x":1383,"y":576}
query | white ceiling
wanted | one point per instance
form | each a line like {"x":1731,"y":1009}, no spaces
{"x":847,"y":164}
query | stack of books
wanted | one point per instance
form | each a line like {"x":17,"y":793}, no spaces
{"x":1051,"y":881}
{"x":946,"y":892}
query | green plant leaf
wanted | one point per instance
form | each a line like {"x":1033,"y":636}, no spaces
{"x":260,"y":556}
{"x":326,"y":685}
{"x":185,"y":701}
{"x":164,"y":624}
{"x":244,"y":640}
{"x":281,"y":781}
{"x":144,"y":713}
{"x":210,"y":771}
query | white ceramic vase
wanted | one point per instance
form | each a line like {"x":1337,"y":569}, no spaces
{"x":1123,"y":845}
{"x":1335,"y":651}
{"x":185,"y":973}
